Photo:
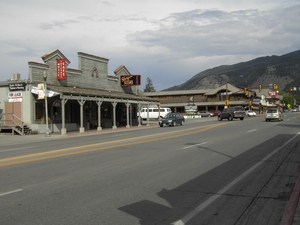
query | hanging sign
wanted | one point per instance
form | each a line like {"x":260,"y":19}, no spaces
{"x":61,"y":69}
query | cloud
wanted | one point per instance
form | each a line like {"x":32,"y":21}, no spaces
{"x":168,"y":41}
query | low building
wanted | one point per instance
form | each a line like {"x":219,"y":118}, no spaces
{"x":218,"y":98}
{"x":75,"y":99}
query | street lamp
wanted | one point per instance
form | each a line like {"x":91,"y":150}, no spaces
{"x":46,"y":104}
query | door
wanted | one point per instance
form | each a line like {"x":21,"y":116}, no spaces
{"x":12,"y":108}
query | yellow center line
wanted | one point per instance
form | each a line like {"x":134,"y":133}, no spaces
{"x":97,"y":147}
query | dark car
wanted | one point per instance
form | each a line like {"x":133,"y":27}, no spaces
{"x":172,"y":119}
{"x":237,"y":112}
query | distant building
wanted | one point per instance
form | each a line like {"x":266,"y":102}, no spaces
{"x":215,"y":99}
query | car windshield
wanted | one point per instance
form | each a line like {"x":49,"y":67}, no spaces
{"x":272,"y":111}
{"x":170,"y":115}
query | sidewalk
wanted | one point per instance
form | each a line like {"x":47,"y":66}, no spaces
{"x":291,"y":215}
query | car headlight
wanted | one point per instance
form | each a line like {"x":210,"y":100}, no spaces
{"x":169,"y":121}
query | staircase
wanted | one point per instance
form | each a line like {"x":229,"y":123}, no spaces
{"x":10,"y":122}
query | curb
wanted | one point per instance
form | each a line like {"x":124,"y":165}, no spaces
{"x":290,"y":209}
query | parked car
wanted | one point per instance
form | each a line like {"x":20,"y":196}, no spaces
{"x":172,"y":119}
{"x":205,"y":113}
{"x":250,"y":113}
{"x":274,"y":114}
{"x":215,"y":112}
{"x":237,"y":112}
{"x":296,"y":110}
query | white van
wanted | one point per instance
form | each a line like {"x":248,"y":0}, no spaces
{"x":153,"y":113}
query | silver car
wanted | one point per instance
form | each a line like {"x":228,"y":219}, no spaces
{"x":274,"y":114}
{"x":205,"y":113}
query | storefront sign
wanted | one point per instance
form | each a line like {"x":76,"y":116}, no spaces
{"x":61,"y":69}
{"x":15,"y":96}
{"x":17,"y":87}
{"x":130,"y":80}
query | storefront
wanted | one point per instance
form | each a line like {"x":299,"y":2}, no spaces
{"x":75,"y":99}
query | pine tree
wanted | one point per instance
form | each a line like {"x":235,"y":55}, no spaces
{"x":149,"y":86}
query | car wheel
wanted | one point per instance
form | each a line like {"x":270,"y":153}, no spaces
{"x":230,"y":118}
{"x":181,"y":123}
{"x":242,"y":118}
{"x":161,"y":125}
{"x":219,"y":118}
{"x":174,"y":123}
{"x":266,"y":120}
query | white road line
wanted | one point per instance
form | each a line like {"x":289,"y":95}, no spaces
{"x":10,"y":192}
{"x":251,"y":130}
{"x":191,"y":146}
{"x":202,"y":206}
{"x":14,"y":149}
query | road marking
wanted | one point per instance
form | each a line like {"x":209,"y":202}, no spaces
{"x":191,"y":146}
{"x":10,"y":192}
{"x":13,"y":149}
{"x":117,"y":135}
{"x":206,"y":203}
{"x":101,"y":146}
{"x":251,"y":130}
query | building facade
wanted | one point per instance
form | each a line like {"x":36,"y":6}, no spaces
{"x":217,"y":99}
{"x":75,"y":99}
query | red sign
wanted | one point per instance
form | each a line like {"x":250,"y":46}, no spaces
{"x":61,"y":69}
{"x":273,"y":94}
{"x":130,"y":80}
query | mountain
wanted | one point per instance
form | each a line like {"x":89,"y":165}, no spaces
{"x":282,"y":70}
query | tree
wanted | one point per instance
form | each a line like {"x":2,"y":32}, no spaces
{"x":288,"y":100}
{"x":149,"y":86}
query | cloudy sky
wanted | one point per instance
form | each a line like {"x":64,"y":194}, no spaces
{"x":168,"y":41}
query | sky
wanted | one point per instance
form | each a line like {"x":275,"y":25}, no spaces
{"x":168,"y":41}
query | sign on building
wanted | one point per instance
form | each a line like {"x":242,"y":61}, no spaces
{"x":61,"y":69}
{"x":130,"y":80}
{"x":17,"y":87}
{"x":15,"y":96}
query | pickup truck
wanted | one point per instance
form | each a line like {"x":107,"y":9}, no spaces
{"x":236,"y":112}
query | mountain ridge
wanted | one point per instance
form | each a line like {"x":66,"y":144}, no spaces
{"x":283,"y":70}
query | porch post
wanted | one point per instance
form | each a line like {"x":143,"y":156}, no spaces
{"x":99,"y":103}
{"x":127,"y":115}
{"x":63,"y":130}
{"x":114,"y":115}
{"x":139,"y":110}
{"x":81,"y":102}
{"x":148,"y":124}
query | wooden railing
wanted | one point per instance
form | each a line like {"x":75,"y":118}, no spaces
{"x":11,"y":121}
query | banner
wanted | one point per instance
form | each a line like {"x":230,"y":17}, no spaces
{"x":61,"y":69}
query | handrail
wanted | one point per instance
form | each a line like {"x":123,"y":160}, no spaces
{"x":11,"y":120}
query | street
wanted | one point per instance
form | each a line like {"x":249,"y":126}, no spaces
{"x":204,"y":172}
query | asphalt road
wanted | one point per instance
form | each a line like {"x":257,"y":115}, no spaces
{"x":204,"y":172}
